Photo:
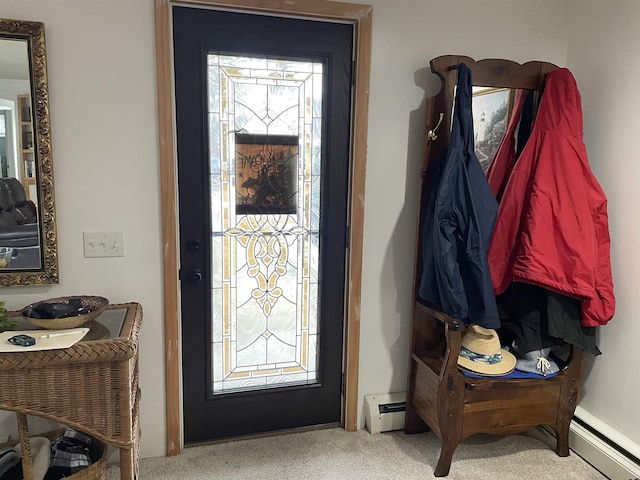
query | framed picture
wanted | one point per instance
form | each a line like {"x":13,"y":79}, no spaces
{"x":491,"y":110}
{"x":266,"y":174}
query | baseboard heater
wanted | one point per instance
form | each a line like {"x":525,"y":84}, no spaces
{"x":384,"y":412}
{"x":608,"y":450}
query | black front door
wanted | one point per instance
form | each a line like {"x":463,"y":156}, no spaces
{"x":263,"y":108}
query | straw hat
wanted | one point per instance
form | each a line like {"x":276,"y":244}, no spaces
{"x":480,"y":352}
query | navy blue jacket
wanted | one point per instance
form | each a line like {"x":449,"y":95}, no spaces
{"x":458,"y":225}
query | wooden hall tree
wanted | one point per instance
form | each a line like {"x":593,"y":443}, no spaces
{"x":439,"y":396}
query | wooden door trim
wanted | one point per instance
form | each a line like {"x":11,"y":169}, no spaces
{"x":360,"y":16}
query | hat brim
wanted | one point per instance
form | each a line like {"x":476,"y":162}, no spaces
{"x":504,"y":367}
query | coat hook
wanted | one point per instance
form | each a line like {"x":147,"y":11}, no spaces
{"x":431,"y":134}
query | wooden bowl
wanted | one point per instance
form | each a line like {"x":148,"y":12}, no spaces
{"x":94,"y":306}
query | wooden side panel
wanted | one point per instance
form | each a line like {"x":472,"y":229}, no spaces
{"x":511,"y":409}
{"x":427,"y":338}
{"x":425,"y":398}
{"x":428,"y":333}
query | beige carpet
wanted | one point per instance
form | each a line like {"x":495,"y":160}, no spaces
{"x":336,"y":454}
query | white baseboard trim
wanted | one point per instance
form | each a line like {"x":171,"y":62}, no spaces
{"x":609,"y":451}
{"x":615,"y":463}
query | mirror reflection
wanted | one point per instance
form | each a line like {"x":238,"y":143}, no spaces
{"x":491,"y":110}
{"x":27,"y":221}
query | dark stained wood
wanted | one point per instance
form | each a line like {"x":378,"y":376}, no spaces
{"x":455,"y":407}
{"x":569,"y":394}
{"x":425,"y":404}
{"x":450,"y":398}
{"x":439,"y":396}
{"x":490,"y":72}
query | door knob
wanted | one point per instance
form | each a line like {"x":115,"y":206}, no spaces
{"x":194,"y":276}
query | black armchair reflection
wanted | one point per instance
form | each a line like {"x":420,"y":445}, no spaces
{"x":19,"y":229}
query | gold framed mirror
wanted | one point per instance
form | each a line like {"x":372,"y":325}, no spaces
{"x":28,"y":241}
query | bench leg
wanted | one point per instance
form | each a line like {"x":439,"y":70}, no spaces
{"x":562,"y":437}
{"x":446,"y":454}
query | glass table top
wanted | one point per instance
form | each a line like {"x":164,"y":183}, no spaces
{"x":106,"y":325}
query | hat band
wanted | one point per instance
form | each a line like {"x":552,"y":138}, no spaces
{"x":480,"y":358}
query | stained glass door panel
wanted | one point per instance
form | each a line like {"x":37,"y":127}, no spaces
{"x":263,"y":108}
{"x":265,"y":123}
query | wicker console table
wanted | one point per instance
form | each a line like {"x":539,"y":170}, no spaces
{"x":91,"y":386}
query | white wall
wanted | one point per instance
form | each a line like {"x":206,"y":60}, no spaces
{"x":607,"y":67}
{"x":104,"y":136}
{"x":406,"y":35}
{"x":101,"y":59}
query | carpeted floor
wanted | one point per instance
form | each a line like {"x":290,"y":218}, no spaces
{"x":336,"y":454}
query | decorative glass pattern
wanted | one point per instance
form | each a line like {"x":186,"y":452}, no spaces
{"x":265,"y":118}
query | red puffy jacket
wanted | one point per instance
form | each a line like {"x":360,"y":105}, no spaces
{"x":552,"y":226}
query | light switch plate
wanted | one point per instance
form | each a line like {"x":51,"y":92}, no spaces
{"x":103,"y":244}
